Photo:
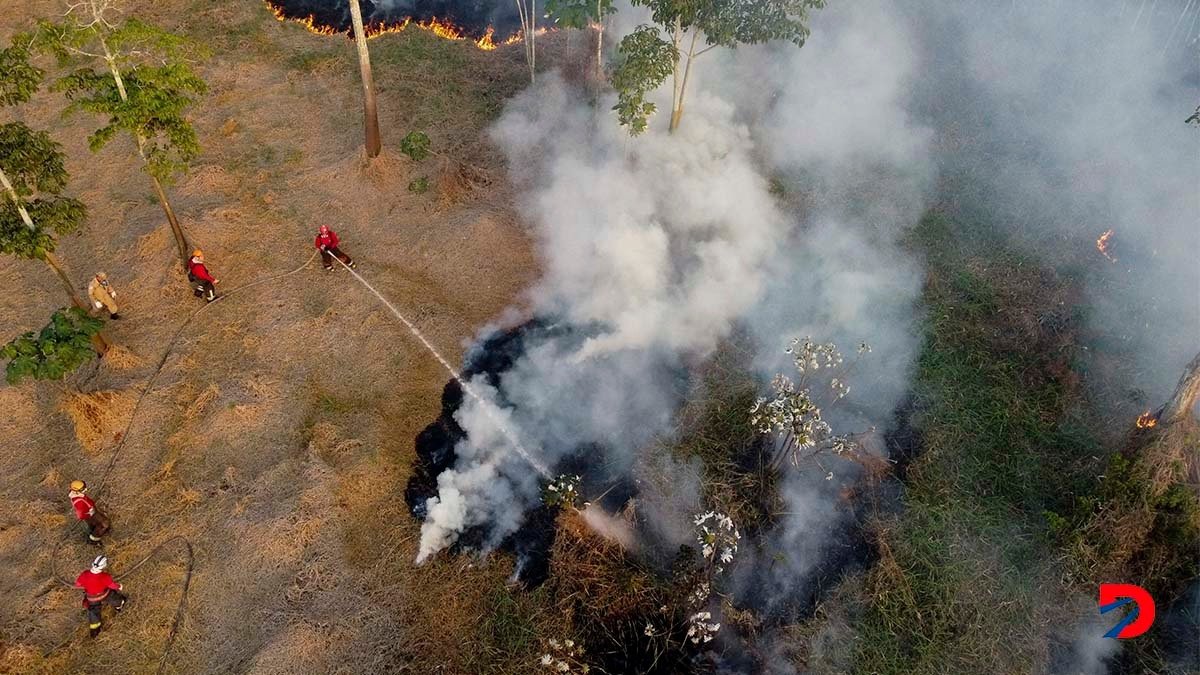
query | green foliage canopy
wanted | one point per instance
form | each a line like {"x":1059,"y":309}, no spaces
{"x":729,"y":23}
{"x":646,"y":60}
{"x":578,"y":13}
{"x":159,"y":84}
{"x":19,"y":79}
{"x":54,"y":352}
{"x":33,"y":163}
{"x":157,"y":97}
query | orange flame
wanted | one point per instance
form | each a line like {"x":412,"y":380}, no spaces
{"x":1102,"y":245}
{"x":1147,"y":420}
{"x":440,"y":28}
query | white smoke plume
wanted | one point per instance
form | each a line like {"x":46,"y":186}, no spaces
{"x":656,"y":245}
{"x":1068,"y":117}
{"x":665,"y":241}
{"x":1060,"y":118}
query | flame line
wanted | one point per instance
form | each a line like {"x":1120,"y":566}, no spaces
{"x":439,"y":27}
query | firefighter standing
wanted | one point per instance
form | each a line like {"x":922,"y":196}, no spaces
{"x":99,"y":589}
{"x":327,"y":243}
{"x":102,"y":294}
{"x":85,"y":510}
{"x":203,"y":283}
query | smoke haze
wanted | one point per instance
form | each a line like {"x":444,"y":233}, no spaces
{"x":1055,"y":121}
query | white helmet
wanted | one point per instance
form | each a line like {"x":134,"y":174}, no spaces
{"x":99,"y":564}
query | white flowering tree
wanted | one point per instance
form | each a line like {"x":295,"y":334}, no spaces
{"x":562,"y":491}
{"x":792,"y":415}
{"x":563,"y":656}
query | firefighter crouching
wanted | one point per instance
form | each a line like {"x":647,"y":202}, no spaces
{"x":103,"y":295}
{"x":99,"y":589}
{"x":86,"y":510}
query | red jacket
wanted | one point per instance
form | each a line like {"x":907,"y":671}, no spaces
{"x":327,"y":240}
{"x":96,"y":586}
{"x":84,"y":506}
{"x":198,"y":270}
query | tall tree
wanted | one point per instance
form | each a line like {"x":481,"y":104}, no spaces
{"x":32,"y":176}
{"x":527,"y":12}
{"x":32,"y":210}
{"x":580,"y":14}
{"x":1183,"y":402}
{"x":144,"y":87}
{"x":723,"y":23}
{"x":370,"y":109}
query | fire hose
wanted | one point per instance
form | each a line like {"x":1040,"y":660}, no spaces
{"x":182,"y":607}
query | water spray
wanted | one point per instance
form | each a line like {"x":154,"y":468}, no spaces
{"x":488,"y":407}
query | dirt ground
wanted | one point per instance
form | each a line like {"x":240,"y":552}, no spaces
{"x":278,"y":437}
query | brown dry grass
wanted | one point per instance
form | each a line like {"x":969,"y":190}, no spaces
{"x":99,"y":416}
{"x":1130,"y":529}
{"x":279,"y":434}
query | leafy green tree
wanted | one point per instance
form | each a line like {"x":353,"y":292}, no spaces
{"x":20,"y":79}
{"x":55,"y":351}
{"x":580,"y":14}
{"x":723,"y":23}
{"x":32,"y":176}
{"x":645,"y":64}
{"x":144,"y":87}
{"x":33,"y":210}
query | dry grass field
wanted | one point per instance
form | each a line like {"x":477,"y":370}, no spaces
{"x":278,"y":437}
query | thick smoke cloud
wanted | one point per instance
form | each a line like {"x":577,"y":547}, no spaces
{"x":1064,"y":120}
{"x":1053,"y":122}
{"x":652,"y":249}
{"x":837,"y":131}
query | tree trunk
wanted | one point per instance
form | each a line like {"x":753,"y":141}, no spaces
{"x":599,"y":43}
{"x":181,"y":243}
{"x":677,"y":109}
{"x":98,"y":340}
{"x":528,"y":16}
{"x":1183,"y":401}
{"x":370,"y":109}
{"x":532,"y":39}
{"x":176,"y":230}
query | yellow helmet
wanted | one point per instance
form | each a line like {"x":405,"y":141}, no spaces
{"x":197,"y":253}
{"x":78,"y":486}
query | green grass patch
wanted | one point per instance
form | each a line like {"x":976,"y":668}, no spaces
{"x":444,"y":85}
{"x":507,"y":639}
{"x":313,"y":60}
{"x":966,"y":566}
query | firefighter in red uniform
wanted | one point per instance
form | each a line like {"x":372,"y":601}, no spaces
{"x":99,"y":589}
{"x":202,"y":281}
{"x":85,"y":510}
{"x":327,"y":243}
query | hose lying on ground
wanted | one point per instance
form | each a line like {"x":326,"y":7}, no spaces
{"x":187,"y":579}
